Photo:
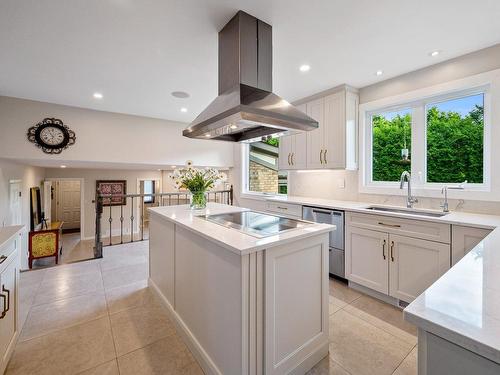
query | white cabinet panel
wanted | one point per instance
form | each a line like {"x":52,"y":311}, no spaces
{"x":315,"y":138}
{"x":366,"y":258}
{"x":414,"y":265}
{"x":334,"y":131}
{"x":464,"y":239}
{"x":285,"y":152}
{"x":299,"y":151}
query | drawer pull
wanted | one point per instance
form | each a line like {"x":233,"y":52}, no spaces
{"x":383,"y":249}
{"x":392,"y":251}
{"x":281,"y":208}
{"x":389,"y":225}
{"x":2,"y":259}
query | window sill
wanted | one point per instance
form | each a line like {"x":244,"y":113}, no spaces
{"x":471,"y":193}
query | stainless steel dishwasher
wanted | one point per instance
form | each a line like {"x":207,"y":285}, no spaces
{"x":335,"y":217}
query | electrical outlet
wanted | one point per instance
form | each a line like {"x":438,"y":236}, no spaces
{"x":341,"y":183}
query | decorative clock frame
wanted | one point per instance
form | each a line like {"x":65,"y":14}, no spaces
{"x":65,"y":136}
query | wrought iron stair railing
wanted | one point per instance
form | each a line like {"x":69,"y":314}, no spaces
{"x":131,"y":214}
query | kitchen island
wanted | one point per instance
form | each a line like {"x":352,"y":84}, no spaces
{"x":244,"y":304}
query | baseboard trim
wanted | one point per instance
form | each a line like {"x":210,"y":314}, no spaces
{"x":204,"y":360}
{"x":312,"y":359}
{"x":373,"y":293}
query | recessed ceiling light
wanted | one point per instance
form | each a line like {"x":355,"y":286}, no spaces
{"x":304,"y":68}
{"x":180,"y":94}
{"x":207,"y":135}
{"x":63,"y":166}
{"x":379,"y":72}
{"x":434,"y":53}
{"x":97,"y":95}
{"x":184,"y":109}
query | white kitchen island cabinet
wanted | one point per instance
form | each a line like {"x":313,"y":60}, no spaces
{"x":244,"y":305}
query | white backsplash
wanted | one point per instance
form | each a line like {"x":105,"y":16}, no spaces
{"x":343,"y":185}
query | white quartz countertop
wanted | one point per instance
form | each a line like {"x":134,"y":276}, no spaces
{"x":229,"y":238}
{"x":463,"y":306}
{"x":6,"y":233}
{"x":454,"y":217}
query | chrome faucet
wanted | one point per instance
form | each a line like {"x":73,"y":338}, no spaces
{"x":410,"y":200}
{"x":444,"y":191}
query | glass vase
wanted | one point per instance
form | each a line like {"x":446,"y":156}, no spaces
{"x":198,"y":200}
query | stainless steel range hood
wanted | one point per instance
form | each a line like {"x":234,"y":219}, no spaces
{"x":246,"y":109}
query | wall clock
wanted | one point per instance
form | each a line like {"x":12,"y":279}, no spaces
{"x":51,"y":135}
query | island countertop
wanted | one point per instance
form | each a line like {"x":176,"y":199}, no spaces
{"x":229,"y":238}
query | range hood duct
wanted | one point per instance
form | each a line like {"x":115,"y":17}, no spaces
{"x":246,"y":109}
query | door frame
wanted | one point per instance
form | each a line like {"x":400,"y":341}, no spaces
{"x":82,"y":200}
{"x":20,"y":182}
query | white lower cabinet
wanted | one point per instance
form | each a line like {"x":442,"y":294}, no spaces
{"x":414,"y":265}
{"x":464,"y":239}
{"x":366,"y":258}
{"x":9,"y":324}
{"x":399,"y":266}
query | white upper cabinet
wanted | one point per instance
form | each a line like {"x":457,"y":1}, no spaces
{"x":285,"y":152}
{"x":315,"y":149}
{"x":293,"y":149}
{"x":334,"y":144}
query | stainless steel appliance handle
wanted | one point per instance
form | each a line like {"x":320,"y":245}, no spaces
{"x":318,"y":211}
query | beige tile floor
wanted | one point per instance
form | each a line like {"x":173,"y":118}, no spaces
{"x":98,"y":317}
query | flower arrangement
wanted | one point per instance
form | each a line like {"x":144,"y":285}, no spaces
{"x":197,"y":181}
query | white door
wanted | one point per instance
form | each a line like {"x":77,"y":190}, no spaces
{"x":68,"y":203}
{"x":315,"y":150}
{"x":366,"y":255}
{"x":285,"y":152}
{"x":464,"y":239}
{"x":414,"y":265}
{"x":334,"y":138}
{"x":15,"y":189}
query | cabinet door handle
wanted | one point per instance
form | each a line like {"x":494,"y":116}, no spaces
{"x":2,"y":259}
{"x":321,"y":156}
{"x":292,"y":158}
{"x":8,"y":297}
{"x":288,"y":158}
{"x":392,"y":251}
{"x":383,"y":249}
{"x":324,"y":157}
{"x":389,"y":225}
{"x":4,"y":310}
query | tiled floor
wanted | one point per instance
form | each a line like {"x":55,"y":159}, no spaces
{"x":98,"y":317}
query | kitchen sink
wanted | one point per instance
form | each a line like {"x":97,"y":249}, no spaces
{"x":408,"y":211}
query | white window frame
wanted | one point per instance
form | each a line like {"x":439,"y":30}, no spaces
{"x":245,"y":191}
{"x":417,"y":102}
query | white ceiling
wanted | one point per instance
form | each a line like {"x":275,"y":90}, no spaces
{"x":137,"y":52}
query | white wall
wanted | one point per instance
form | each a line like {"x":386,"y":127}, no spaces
{"x":106,"y":137}
{"x":31,"y":177}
